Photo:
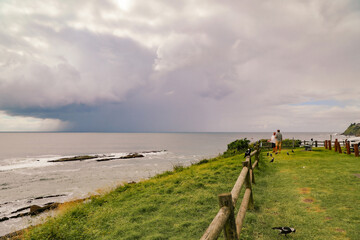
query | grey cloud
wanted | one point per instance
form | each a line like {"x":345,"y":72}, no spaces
{"x":171,"y":65}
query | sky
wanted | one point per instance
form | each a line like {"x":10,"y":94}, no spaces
{"x":179,"y":66}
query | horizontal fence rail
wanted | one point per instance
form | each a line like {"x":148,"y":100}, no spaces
{"x":225,"y":219}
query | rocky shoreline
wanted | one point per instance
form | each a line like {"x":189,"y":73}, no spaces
{"x":36,"y":206}
{"x":101,"y":158}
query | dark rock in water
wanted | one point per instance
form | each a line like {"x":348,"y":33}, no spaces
{"x":35,"y":209}
{"x":154,"y":151}
{"x":131,"y":155}
{"x":20,"y":210}
{"x":50,"y":196}
{"x":4,"y":219}
{"x":76,"y":158}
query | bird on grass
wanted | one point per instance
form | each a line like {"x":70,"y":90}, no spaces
{"x":287,"y":153}
{"x":276,"y":153}
{"x":272,"y":160}
{"x":292,"y":150}
{"x":267,"y":154}
{"x":285,"y":230}
{"x":270,"y":155}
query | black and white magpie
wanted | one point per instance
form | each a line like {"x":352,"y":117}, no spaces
{"x":247,"y":153}
{"x":272,"y":160}
{"x":287,"y":153}
{"x":270,"y":155}
{"x":285,"y":230}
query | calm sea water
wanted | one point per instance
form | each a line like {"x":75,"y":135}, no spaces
{"x":27,"y":174}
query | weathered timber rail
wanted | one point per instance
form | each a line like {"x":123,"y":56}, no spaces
{"x":225,"y":219}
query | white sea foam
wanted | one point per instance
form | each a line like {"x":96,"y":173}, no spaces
{"x":46,"y":160}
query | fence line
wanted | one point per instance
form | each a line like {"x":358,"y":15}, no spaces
{"x":225,"y":218}
{"x":337,"y":147}
{"x":327,"y":144}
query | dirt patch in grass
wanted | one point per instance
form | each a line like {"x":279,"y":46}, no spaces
{"x":339,"y":230}
{"x":308,"y":200}
{"x":328,"y":218}
{"x":357,"y":175}
{"x":304,"y":190}
{"x":316,"y":209}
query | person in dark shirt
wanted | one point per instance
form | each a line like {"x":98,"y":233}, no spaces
{"x":278,"y":140}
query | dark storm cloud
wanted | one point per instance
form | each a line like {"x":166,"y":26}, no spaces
{"x":181,"y":65}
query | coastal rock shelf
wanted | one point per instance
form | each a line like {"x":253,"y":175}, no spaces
{"x":102,"y":158}
{"x":132,"y":155}
{"x":33,"y":210}
{"x":76,"y":158}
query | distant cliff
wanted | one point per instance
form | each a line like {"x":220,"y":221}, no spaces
{"x":353,"y":129}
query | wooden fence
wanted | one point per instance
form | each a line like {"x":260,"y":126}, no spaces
{"x":327,"y":144}
{"x":225,"y":219}
{"x":336,"y":145}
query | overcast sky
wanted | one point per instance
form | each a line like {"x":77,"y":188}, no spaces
{"x":189,"y":65}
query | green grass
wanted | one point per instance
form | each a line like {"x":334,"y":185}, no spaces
{"x":315,"y":192}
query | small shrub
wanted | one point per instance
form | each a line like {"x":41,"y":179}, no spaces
{"x":178,"y":168}
{"x":286,"y":143}
{"x":202,"y":161}
{"x":237,"y":147}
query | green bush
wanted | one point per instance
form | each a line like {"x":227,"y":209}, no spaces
{"x":286,"y":143}
{"x":237,"y":147}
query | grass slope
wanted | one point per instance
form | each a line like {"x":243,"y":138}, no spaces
{"x":315,"y":192}
{"x":173,"y":205}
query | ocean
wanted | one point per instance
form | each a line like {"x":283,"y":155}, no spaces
{"x":29,"y":175}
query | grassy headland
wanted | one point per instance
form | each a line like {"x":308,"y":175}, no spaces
{"x":316,"y":192}
{"x":353,"y":129}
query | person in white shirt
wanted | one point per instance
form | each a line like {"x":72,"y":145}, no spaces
{"x":273,"y":141}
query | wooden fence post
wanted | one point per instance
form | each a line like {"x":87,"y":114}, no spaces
{"x":225,"y":200}
{"x":330,"y":145}
{"x":356,"y":150}
{"x":339,"y":148}
{"x":252,"y":178}
{"x":325,"y":144}
{"x":336,"y":145}
{"x":257,"y":157}
{"x":348,"y":147}
{"x":316,"y":143}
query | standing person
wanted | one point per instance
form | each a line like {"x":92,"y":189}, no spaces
{"x":278,"y":140}
{"x":273,"y":141}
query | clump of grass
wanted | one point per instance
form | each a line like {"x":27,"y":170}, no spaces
{"x":178,"y":168}
{"x":202,"y":161}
